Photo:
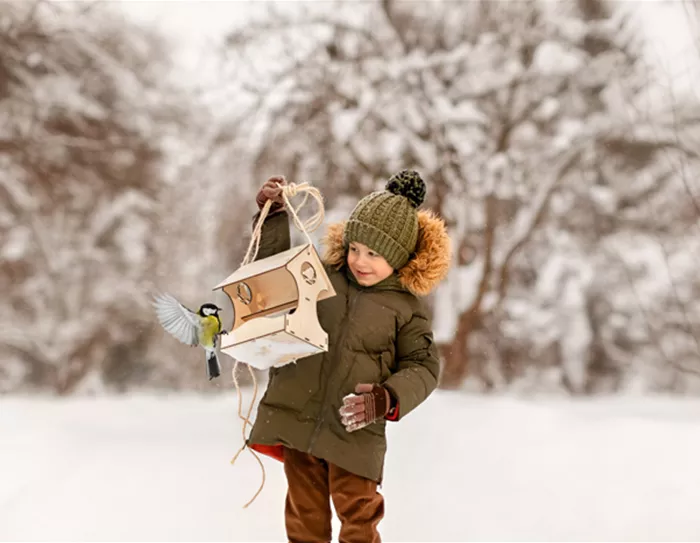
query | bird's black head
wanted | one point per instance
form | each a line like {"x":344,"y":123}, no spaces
{"x":209,"y":309}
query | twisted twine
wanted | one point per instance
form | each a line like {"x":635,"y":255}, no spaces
{"x":288,"y":191}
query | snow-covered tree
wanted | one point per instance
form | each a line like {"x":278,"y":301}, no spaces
{"x":81,"y":147}
{"x":515,"y":112}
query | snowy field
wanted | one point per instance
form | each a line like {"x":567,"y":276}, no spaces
{"x":461,"y":468}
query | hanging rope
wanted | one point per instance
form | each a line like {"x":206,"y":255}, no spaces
{"x":288,"y":191}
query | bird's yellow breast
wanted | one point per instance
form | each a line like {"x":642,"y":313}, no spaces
{"x":211,"y":326}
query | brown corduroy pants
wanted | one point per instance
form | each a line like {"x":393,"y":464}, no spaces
{"x":312,"y":483}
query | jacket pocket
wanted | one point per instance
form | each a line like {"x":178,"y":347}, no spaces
{"x":292,"y":386}
{"x":366,"y":368}
{"x":386,"y":365}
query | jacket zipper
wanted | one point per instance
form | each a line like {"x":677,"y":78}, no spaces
{"x":341,"y":339}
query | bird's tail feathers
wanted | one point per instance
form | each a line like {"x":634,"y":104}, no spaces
{"x":213,"y":364}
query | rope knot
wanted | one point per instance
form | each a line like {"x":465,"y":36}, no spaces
{"x":290,"y":190}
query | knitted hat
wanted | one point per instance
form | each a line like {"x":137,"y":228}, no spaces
{"x":386,"y":221}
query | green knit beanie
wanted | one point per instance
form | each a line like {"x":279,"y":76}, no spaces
{"x":386,"y":221}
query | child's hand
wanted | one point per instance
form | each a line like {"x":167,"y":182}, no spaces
{"x":270,"y":191}
{"x":368,"y":404}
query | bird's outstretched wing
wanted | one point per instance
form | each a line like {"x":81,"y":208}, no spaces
{"x":177,"y":319}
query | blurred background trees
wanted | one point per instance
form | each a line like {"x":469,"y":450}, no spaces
{"x":90,"y":133}
{"x":569,"y":187}
{"x":529,"y":120}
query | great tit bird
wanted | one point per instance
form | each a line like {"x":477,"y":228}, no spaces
{"x":200,"y":328}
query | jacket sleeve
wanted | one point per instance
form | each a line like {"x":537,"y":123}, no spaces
{"x":418,"y":366}
{"x":275,"y":236}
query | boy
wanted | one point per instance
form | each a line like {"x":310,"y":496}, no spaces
{"x":325,"y":415}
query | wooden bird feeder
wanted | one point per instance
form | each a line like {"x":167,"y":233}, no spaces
{"x":274,"y":299}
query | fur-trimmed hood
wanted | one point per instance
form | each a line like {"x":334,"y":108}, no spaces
{"x":427,"y":267}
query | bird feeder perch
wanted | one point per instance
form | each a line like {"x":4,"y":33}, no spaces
{"x":275,"y":312}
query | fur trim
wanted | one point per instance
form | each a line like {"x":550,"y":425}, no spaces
{"x":431,"y":261}
{"x":334,"y":254}
{"x":427,"y":267}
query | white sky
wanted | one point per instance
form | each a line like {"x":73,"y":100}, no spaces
{"x":671,"y":42}
{"x":195,"y":22}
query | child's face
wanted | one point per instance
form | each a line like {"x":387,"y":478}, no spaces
{"x":368,"y":267}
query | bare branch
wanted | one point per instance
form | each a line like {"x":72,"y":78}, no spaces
{"x":530,"y":218}
{"x":688,"y":327}
{"x":651,"y":333}
{"x":489,"y":238}
{"x":390,"y":15}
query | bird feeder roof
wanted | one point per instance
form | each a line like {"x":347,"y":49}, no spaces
{"x":265,"y":265}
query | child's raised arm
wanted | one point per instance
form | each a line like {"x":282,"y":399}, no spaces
{"x":275,"y":236}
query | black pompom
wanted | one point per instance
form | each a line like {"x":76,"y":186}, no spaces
{"x":408,"y":183}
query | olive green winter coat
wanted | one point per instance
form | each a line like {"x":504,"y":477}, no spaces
{"x":380,"y":334}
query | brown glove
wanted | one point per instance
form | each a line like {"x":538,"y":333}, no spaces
{"x":270,"y":191}
{"x":369,"y":404}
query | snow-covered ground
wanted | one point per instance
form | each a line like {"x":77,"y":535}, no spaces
{"x":461,"y":468}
